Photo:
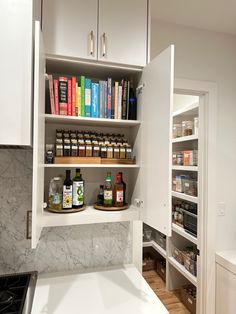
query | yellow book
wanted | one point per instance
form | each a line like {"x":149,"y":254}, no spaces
{"x":79,"y":100}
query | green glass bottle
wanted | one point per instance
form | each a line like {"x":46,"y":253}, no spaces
{"x":78,"y":190}
{"x":108,"y":193}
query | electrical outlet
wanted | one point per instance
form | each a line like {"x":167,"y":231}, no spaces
{"x":221,"y":209}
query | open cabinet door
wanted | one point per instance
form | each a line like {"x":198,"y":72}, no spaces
{"x":38,"y":136}
{"x":156,"y":112}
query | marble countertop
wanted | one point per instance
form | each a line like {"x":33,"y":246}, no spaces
{"x":116,"y":291}
{"x":227,"y":259}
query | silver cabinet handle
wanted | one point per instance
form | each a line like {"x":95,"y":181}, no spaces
{"x":91,"y":43}
{"x":104,"y":45}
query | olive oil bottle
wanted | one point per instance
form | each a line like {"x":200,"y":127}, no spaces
{"x":78,"y":190}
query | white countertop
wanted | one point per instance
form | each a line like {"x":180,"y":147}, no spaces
{"x":117,"y":291}
{"x":227,"y":259}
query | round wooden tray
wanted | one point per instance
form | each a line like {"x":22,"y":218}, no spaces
{"x":99,"y":207}
{"x":66,"y":211}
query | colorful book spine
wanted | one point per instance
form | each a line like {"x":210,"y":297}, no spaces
{"x":116,"y":96}
{"x":102,"y":104}
{"x":105,"y":99}
{"x":113,"y":102}
{"x":76,"y":100}
{"x":55,"y":82}
{"x":51,"y":93}
{"x":82,"y":85}
{"x":127,"y":101}
{"x":109,"y":99}
{"x":119,"y":102}
{"x":79,"y":101}
{"x":73,"y":111}
{"x":69,"y":96}
{"x":124,"y":98}
{"x":95,"y":109}
{"x":87,"y":98}
{"x":63,"y":101}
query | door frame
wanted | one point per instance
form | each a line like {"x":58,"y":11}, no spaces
{"x":208,"y":111}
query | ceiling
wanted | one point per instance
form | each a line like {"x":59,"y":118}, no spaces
{"x":213,"y":15}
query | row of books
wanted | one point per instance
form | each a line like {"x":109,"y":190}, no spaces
{"x":80,"y":96}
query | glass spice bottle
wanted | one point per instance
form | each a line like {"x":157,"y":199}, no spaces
{"x":128,"y":151}
{"x":66,"y":147}
{"x":109,"y":151}
{"x":74,"y":147}
{"x":96,"y":149}
{"x":81,"y":148}
{"x":89,"y":148}
{"x":59,"y":147}
{"x":59,"y":133}
{"x":122,"y":151}
{"x":103,"y":151}
{"x":116,"y":151}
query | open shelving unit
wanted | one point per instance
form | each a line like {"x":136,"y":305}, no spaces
{"x":183,"y":270}
{"x":182,"y":196}
{"x":183,"y":233}
{"x":156,"y":247}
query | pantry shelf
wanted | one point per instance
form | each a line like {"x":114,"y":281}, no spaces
{"x":89,"y":216}
{"x":185,"y":168}
{"x":190,"y":110}
{"x":183,"y":233}
{"x":185,"y":138}
{"x":183,"y":271}
{"x":71,"y":120}
{"x":185,"y":197}
{"x":90,"y":166}
{"x":156,"y":247}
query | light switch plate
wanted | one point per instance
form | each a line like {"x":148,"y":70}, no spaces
{"x":221,"y":209}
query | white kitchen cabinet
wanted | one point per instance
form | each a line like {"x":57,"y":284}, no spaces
{"x":70,"y":28}
{"x":108,"y":31}
{"x":153,"y":125}
{"x":122,"y":31}
{"x":16,"y":32}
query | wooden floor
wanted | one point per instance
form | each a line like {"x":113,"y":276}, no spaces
{"x":171,"y":300}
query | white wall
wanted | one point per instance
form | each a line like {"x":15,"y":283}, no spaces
{"x":209,"y":56}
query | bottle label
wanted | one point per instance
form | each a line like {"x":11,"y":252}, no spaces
{"x":78,"y":193}
{"x":57,"y":199}
{"x":67,"y":196}
{"x":120,"y":196}
{"x":107,"y":197}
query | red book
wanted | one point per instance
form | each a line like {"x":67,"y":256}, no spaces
{"x":69,"y":99}
{"x":74,"y":95}
{"x":51,"y":93}
{"x":63,"y":95}
{"x":56,"y":96}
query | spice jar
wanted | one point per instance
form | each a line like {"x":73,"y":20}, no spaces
{"x":89,"y":149}
{"x":109,"y":151}
{"x":122,"y":151}
{"x":103,"y":151}
{"x":96,"y":149}
{"x":116,"y":151}
{"x":81,"y":148}
{"x":74,"y":147}
{"x":59,"y":147}
{"x":66,"y":147}
{"x":128,"y":152}
{"x":187,"y":128}
{"x":59,"y":133}
{"x":177,"y":130}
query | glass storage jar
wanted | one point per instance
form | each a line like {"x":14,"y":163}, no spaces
{"x":187,"y":128}
{"x":177,"y":130}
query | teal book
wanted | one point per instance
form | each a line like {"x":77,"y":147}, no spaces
{"x":82,"y":85}
{"x":87,"y":97}
{"x":95,"y":106}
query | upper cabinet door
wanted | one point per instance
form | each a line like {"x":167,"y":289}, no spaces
{"x":70,"y":28}
{"x":38,"y":136}
{"x":16,"y":72}
{"x":156,"y":106}
{"x":123,"y":31}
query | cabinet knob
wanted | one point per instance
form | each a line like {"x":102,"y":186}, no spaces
{"x":104,"y":52}
{"x":91,"y":43}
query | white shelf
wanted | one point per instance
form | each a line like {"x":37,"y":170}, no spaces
{"x":88,"y":216}
{"x":185,"y":138}
{"x":183,"y":233}
{"x":185,"y":168}
{"x":51,"y":118}
{"x":183,"y":270}
{"x":185,"y":197}
{"x":187,"y":111}
{"x":156,"y":247}
{"x":90,"y":166}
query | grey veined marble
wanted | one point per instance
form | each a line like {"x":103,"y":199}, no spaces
{"x":60,"y":248}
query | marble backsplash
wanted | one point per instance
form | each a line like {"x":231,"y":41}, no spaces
{"x":60,"y":248}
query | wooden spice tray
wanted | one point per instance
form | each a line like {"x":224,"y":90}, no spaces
{"x":92,"y":160}
{"x":113,"y":208}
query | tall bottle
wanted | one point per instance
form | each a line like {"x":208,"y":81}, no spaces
{"x":124,"y":184}
{"x":108,"y":195}
{"x":118,"y":192}
{"x":132,"y":112}
{"x":78,"y":190}
{"x":67,"y":191}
